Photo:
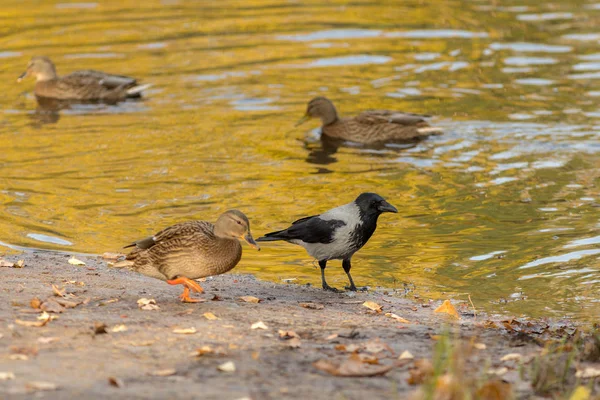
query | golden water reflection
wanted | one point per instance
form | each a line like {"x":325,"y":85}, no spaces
{"x":503,"y":207}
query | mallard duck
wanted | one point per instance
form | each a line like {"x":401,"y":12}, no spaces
{"x":336,"y":234}
{"x":88,"y":85}
{"x":192,"y":250}
{"x":369,"y":127}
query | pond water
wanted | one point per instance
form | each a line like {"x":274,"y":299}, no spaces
{"x":503,"y":207}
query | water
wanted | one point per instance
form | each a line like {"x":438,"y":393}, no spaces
{"x":504,"y":207}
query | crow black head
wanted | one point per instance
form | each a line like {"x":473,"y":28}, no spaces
{"x":373,"y":204}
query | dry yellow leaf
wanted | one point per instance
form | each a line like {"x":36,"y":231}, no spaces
{"x":581,"y":393}
{"x":228,"y":366}
{"x":250,"y":299}
{"x":147,"y":304}
{"x":210,"y":316}
{"x":118,"y":328}
{"x":397,"y":318}
{"x":447,"y":308}
{"x":164,"y":372}
{"x":480,"y":346}
{"x":373,"y":306}
{"x":5,"y":376}
{"x":185,"y":331}
{"x":39,"y":385}
{"x":588,"y":372}
{"x":74,"y":261}
{"x":259,"y":325}
{"x":511,"y":357}
{"x":406,"y":355}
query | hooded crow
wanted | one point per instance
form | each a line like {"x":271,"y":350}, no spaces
{"x":336,"y":234}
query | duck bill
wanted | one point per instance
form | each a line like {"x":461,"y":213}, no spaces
{"x":22,"y":76}
{"x":250,"y":240}
{"x":302,"y":120}
{"x":387,"y":207}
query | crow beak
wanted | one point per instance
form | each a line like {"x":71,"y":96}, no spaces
{"x":250,"y":240}
{"x":302,"y":120}
{"x":23,"y":75}
{"x":384,"y":206}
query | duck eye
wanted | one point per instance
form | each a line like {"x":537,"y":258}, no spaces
{"x":238,"y":222}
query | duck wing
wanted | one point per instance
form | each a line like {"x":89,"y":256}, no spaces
{"x":376,"y":117}
{"x":109,"y":81}
{"x":178,"y":232}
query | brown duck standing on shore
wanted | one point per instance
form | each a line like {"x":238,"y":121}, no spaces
{"x":87,"y":85}
{"x":370,"y":127}
{"x":192,"y":250}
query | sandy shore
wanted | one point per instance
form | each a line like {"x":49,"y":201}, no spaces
{"x":104,"y":345}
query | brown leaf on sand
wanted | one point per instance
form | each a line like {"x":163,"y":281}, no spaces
{"x":35,"y":303}
{"x":4,"y":263}
{"x":376,"y":346}
{"x":447,"y":308}
{"x":293,"y":343}
{"x":373,"y":306}
{"x":42,"y":320}
{"x":421,"y":371}
{"x":207,"y":350}
{"x":67,"y":303}
{"x":495,"y":390}
{"x":163,"y":372}
{"x":147,"y":304}
{"x":287,"y":334}
{"x":52,"y":306}
{"x":112,"y":256}
{"x":250,"y":299}
{"x":58,"y":292}
{"x":312,"y":306}
{"x":116,"y":382}
{"x":99,"y":328}
{"x":210,"y":316}
{"x":40,"y":385}
{"x":352,"y":367}
{"x":185,"y":331}
{"x":397,"y":318}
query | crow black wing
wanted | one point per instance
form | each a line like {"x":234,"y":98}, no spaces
{"x":309,"y":230}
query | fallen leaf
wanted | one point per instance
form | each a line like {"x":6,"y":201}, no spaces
{"x":185,"y":331}
{"x":293,"y":343}
{"x":498,"y":371}
{"x":204,"y":350}
{"x":105,"y":302}
{"x":28,"y":351}
{"x":351,"y":367}
{"x":511,"y":357}
{"x":74,"y":261}
{"x":142,"y":343}
{"x":5,"y":376}
{"x":406,"y":355}
{"x":495,"y":390}
{"x":581,"y":393}
{"x":52,"y":306}
{"x":480,"y":346}
{"x":67,"y":303}
{"x":46,"y":340}
{"x":228,"y":366}
{"x":588,"y":372}
{"x":397,"y":318}
{"x":35,"y":303}
{"x":287,"y":334}
{"x":373,"y":306}
{"x":112,"y":256}
{"x":116,"y":382}
{"x":376,"y":346}
{"x":147,"y":304}
{"x":350,"y":348}
{"x":99,"y":328}
{"x":421,"y":371}
{"x":447,"y":308}
{"x":332,"y":336}
{"x":42,"y":320}
{"x":210,"y":316}
{"x":164,"y":372}
{"x":369,"y":359}
{"x":40,"y":385}
{"x":312,"y":306}
{"x":250,"y":299}
{"x":4,"y":263}
{"x":118,"y":328}
{"x":18,"y":357}
{"x":259,"y":325}
{"x":58,"y":292}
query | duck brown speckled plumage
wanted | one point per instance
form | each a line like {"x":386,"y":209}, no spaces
{"x":87,"y":85}
{"x":369,"y":127}
{"x":192,"y":250}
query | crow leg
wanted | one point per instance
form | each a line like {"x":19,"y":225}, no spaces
{"x":346,"y":265}
{"x":323,"y":265}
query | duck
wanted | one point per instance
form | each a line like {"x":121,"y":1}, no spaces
{"x":371,"y":127}
{"x":336,"y":234}
{"x":86,"y":85}
{"x":192,"y":250}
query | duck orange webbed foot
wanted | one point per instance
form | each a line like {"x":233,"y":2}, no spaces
{"x":188,"y":285}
